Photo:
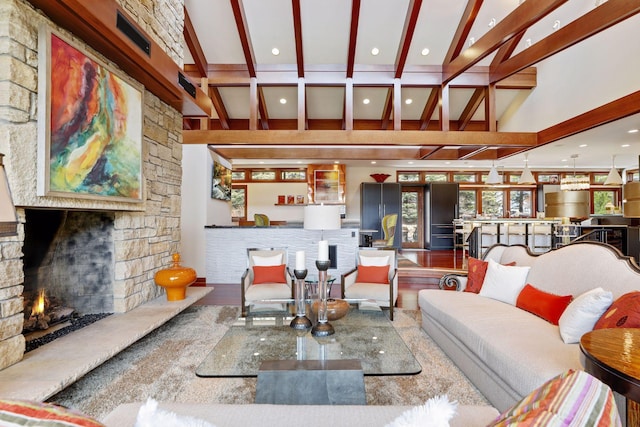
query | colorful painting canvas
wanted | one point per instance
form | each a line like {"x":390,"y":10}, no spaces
{"x":93,"y":126}
{"x":221,"y":182}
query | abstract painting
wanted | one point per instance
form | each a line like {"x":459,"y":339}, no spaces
{"x":221,"y":182}
{"x":91,"y":125}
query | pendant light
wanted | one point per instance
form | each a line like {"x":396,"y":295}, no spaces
{"x":527,"y":176}
{"x":494,"y":177}
{"x":614,"y":177}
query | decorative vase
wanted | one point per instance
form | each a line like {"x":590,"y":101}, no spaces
{"x":380,"y":177}
{"x":175,"y":279}
{"x":336,"y":308}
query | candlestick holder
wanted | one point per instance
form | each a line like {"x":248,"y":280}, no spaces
{"x":301,"y":321}
{"x":322,"y":328}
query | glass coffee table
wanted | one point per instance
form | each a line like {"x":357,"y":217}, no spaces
{"x":364,"y":335}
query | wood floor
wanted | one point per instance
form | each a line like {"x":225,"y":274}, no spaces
{"x":418,"y":269}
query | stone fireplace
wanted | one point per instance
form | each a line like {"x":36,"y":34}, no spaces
{"x":100,"y":255}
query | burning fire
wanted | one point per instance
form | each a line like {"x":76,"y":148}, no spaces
{"x":39,"y":304}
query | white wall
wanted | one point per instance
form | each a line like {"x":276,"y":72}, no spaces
{"x":198,"y":208}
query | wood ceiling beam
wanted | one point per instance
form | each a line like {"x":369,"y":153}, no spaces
{"x":429,"y":108}
{"x":462,"y":32}
{"x":607,"y":113}
{"x":353,"y":37}
{"x":506,"y":50}
{"x":525,"y":15}
{"x":386,"y":111}
{"x":95,"y":23}
{"x":245,"y":39}
{"x":472,"y":106}
{"x":602,"y":17}
{"x":407,"y":35}
{"x":218,"y":104}
{"x":317,"y":153}
{"x":365,"y":137}
{"x":193,"y":44}
{"x":297,"y":31}
{"x":428,"y":152}
{"x":262,"y":109}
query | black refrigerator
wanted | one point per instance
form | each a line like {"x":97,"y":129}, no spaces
{"x":376,"y":201}
{"x":441,"y":208}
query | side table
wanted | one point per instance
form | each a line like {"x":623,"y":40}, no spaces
{"x":613,"y":356}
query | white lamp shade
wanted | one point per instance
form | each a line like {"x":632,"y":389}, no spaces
{"x":526,"y":177}
{"x":613,"y":178}
{"x":494,"y":177}
{"x":322,"y":217}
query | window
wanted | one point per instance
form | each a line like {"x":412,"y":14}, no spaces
{"x":600,"y":200}
{"x":238,"y":176}
{"x":294,"y":175}
{"x":409,"y":177}
{"x":493,"y":203}
{"x":467,"y":203}
{"x":599,"y":178}
{"x":520,"y":203}
{"x":263,"y":175}
{"x":464,"y":177}
{"x":436,"y":177}
{"x":239,"y":202}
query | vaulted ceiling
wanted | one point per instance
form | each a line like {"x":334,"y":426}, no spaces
{"x":465,"y":66}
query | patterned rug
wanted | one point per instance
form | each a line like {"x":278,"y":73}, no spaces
{"x":162,"y":366}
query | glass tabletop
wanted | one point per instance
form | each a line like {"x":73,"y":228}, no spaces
{"x":365,"y":335}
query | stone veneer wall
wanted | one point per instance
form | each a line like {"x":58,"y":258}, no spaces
{"x":145,"y":234}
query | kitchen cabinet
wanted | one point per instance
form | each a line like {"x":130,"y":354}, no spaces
{"x":376,"y":201}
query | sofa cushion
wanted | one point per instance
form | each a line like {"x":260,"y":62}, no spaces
{"x":548,"y":306}
{"x":503,"y":282}
{"x":267,"y":260}
{"x":573,"y":398}
{"x":436,"y":412}
{"x":373,"y":274}
{"x":269,"y":274}
{"x":150,"y":415}
{"x":475,"y":274}
{"x":582,"y":314}
{"x":32,"y":413}
{"x":377,"y":261}
{"x":623,"y":313}
{"x":507,"y":339}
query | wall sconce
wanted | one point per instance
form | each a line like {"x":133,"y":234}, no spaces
{"x":8,"y":216}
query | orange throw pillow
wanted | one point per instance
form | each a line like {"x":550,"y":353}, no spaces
{"x":623,"y":313}
{"x":543,"y":304}
{"x":269,"y":274}
{"x":475,"y":274}
{"x":373,"y":274}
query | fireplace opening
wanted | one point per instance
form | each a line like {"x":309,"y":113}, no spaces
{"x":68,"y":271}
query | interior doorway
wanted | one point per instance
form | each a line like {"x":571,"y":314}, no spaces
{"x":413,"y":217}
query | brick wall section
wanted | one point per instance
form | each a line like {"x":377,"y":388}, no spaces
{"x":146,"y":234}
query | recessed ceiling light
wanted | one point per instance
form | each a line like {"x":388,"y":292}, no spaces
{"x":556,"y":24}
{"x":447,"y":163}
{"x":410,"y":163}
{"x":261,"y":162}
{"x":527,"y":42}
{"x":283,"y":100}
{"x":365,"y":101}
{"x":408,"y":101}
{"x":373,"y":162}
{"x":425,"y":51}
{"x":582,"y":145}
{"x":563,"y":160}
{"x":492,"y":23}
{"x":632,"y":131}
{"x":375,"y":51}
{"x":472,"y":40}
{"x":625,"y":145}
{"x":275,"y":51}
{"x":336,"y":162}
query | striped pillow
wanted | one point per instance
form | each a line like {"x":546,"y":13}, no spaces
{"x":31,"y":413}
{"x":573,"y":398}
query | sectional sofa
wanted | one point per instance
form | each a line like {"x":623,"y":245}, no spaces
{"x":504,"y":350}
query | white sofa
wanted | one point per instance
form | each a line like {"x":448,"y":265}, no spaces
{"x":508,"y":352}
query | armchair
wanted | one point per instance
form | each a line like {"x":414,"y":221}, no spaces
{"x":370,"y":280}
{"x":266,"y":278}
{"x":389,"y":229}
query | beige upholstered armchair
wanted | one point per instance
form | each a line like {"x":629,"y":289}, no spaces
{"x":266,"y":278}
{"x":375,"y":278}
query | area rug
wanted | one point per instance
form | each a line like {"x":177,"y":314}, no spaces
{"x":162,"y":366}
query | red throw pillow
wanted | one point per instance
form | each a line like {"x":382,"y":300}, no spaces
{"x":543,"y":304}
{"x":475,"y":274}
{"x":373,"y":274}
{"x":269,"y":274}
{"x":623,"y":313}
